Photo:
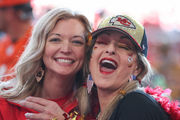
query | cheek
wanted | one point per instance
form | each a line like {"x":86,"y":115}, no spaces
{"x":48,"y":51}
{"x":80,"y":53}
{"x":92,"y":62}
{"x":46,"y":57}
{"x":96,"y":53}
{"x":130,"y":53}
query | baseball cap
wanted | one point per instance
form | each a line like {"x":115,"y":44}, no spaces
{"x":9,"y":3}
{"x":126,"y":25}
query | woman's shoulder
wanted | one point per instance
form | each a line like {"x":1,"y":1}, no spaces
{"x":3,"y":102}
{"x":138,"y":105}
{"x":10,"y":110}
{"x":140,"y":99}
{"x":7,"y":105}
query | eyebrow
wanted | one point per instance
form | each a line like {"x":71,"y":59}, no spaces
{"x":123,"y":37}
{"x":57,"y":34}
{"x":75,"y":36}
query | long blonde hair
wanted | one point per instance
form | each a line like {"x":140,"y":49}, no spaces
{"x":25,"y":84}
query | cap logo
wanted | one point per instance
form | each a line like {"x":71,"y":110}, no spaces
{"x":122,"y":21}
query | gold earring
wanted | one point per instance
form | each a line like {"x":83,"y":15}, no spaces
{"x":39,"y":75}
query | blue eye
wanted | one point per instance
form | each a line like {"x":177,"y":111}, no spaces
{"x":78,"y":42}
{"x":55,"y":40}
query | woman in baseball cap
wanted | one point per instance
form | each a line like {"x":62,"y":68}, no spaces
{"x":118,"y":65}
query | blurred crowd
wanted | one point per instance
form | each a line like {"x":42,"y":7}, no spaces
{"x":164,"y":49}
{"x":164,"y":52}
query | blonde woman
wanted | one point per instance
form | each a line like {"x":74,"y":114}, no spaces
{"x":49,"y":77}
{"x":117,"y":65}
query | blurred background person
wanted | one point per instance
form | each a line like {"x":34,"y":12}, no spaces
{"x":15,"y":21}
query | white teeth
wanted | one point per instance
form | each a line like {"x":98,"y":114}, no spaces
{"x":65,"y":61}
{"x":108,"y":61}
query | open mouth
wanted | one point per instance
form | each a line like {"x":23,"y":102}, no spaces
{"x":107,"y":66}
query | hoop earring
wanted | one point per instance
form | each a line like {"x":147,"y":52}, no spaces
{"x":39,"y":75}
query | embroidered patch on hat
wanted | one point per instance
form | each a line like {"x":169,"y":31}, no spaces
{"x":122,"y":21}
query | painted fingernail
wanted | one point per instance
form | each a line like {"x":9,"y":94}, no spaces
{"x":27,"y":114}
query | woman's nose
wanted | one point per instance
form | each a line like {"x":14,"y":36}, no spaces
{"x":66,"y":47}
{"x":111,"y":49}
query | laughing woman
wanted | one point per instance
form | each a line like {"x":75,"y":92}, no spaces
{"x":118,"y":64}
{"x":49,"y":74}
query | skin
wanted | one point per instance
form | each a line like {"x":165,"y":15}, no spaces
{"x":115,"y":48}
{"x":63,"y":58}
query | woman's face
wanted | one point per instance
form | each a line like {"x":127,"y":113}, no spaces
{"x":65,"y":48}
{"x":109,"y":64}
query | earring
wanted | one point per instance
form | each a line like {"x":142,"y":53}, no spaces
{"x":94,"y":47}
{"x":133,"y":77}
{"x":39,"y":75}
{"x":130,"y":59}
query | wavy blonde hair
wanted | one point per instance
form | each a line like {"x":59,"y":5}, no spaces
{"x":25,"y":84}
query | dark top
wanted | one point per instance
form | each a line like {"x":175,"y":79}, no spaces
{"x":138,"y":105}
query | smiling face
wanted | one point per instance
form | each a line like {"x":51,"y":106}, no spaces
{"x":113,"y":60}
{"x":65,"y":48}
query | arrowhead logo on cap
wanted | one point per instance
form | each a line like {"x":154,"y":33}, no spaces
{"x":122,"y":21}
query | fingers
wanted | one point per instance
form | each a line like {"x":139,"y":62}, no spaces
{"x":38,"y":100}
{"x":42,"y":105}
{"x":38,"y":104}
{"x":46,"y":108}
{"x":32,"y":105}
{"x":38,"y":116}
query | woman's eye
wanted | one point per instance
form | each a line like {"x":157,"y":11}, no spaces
{"x":101,"y":42}
{"x":55,"y":40}
{"x":78,"y":42}
{"x":124,"y":47}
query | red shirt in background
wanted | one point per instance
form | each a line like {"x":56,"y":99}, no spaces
{"x":10,"y":52}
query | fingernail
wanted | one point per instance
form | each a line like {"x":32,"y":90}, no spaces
{"x":28,"y":114}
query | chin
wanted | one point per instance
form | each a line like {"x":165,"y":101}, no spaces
{"x":102,"y":86}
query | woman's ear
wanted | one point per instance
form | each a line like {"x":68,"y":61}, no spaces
{"x":137,"y":70}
